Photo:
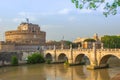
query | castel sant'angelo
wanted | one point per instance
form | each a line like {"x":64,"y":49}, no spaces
{"x":27,"y":36}
{"x":27,"y":33}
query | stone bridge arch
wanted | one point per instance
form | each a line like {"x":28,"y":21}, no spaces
{"x":62,"y":57}
{"x":81,"y":57}
{"x":48,"y":56}
{"x":104,"y":59}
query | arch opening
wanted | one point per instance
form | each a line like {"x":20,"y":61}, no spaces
{"x":48,"y":57}
{"x":62,"y":57}
{"x":82,"y":59}
{"x":110,"y":60}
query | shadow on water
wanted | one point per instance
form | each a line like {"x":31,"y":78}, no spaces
{"x":114,"y":61}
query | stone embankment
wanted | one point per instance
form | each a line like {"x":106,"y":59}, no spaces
{"x":5,"y":57}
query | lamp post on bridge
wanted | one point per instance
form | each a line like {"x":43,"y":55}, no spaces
{"x":54,"y":54}
{"x":102,"y":46}
{"x":78,"y":46}
{"x":71,"y":56}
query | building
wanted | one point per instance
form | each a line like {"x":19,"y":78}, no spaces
{"x":89,"y":44}
{"x":27,"y":33}
{"x":6,"y":46}
{"x":28,"y":36}
{"x":78,"y":40}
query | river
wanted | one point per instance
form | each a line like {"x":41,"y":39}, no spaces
{"x":56,"y":72}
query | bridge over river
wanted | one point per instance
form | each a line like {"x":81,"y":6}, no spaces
{"x":97,"y":57}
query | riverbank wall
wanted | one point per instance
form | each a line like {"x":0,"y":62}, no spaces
{"x":5,"y":57}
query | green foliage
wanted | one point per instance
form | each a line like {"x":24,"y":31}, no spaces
{"x":35,"y":58}
{"x":74,"y":45}
{"x":111,"y":41}
{"x":14,"y":61}
{"x":118,"y":3}
{"x":77,"y":3}
{"x":66,"y":63}
{"x":67,"y":43}
{"x":72,"y":1}
{"x":81,"y":6}
{"x":48,"y":61}
{"x":89,"y":40}
{"x":109,"y":8}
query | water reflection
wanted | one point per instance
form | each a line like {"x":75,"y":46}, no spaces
{"x":77,"y":73}
{"x":55,"y":72}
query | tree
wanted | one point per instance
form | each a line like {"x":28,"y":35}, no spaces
{"x":111,"y":41}
{"x":109,"y":7}
{"x":35,"y":58}
{"x":14,"y":61}
{"x":89,"y":40}
{"x":74,"y":45}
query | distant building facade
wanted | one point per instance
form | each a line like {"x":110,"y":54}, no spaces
{"x":78,"y":40}
{"x":88,"y":44}
{"x":27,"y":33}
{"x":28,"y":36}
{"x":6,"y":46}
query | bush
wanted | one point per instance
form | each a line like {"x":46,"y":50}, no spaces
{"x":35,"y":58}
{"x":66,"y":63}
{"x":48,"y":61}
{"x":14,"y":61}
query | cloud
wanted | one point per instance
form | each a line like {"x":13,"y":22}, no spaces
{"x":64,"y":11}
{"x":84,"y":11}
{"x":47,"y":13}
{"x":18,"y":20}
{"x":23,"y":15}
{"x":71,"y":18}
{"x":49,"y":26}
{"x":57,"y":12}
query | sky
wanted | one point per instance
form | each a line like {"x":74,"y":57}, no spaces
{"x":58,"y":18}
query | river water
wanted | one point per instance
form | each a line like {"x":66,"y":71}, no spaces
{"x":56,"y":72}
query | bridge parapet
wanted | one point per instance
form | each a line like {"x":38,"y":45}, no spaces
{"x":108,"y":50}
{"x":82,"y":49}
{"x":49,"y":50}
{"x":62,"y":50}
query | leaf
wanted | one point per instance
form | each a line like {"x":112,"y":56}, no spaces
{"x":77,"y":4}
{"x":73,"y":1}
{"x":114,"y":12}
{"x":92,"y":5}
{"x":81,"y":6}
{"x":105,"y":13}
{"x":114,"y":5}
{"x":107,"y":5}
{"x":118,"y":3}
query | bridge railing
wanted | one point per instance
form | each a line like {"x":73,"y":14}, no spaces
{"x":83,"y":49}
{"x":75,"y":49}
{"x":108,"y":50}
